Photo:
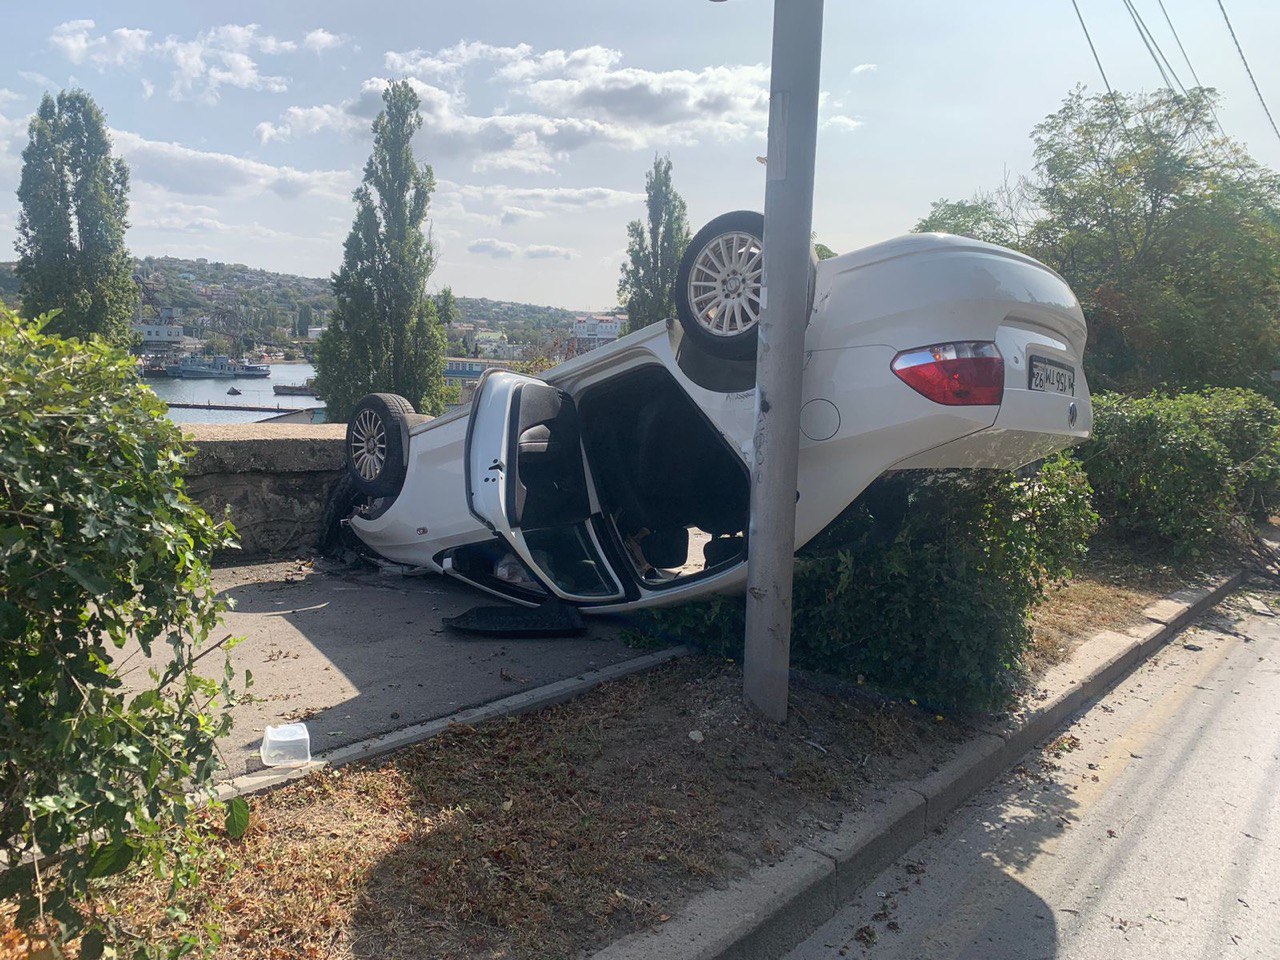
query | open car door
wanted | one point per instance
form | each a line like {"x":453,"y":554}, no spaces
{"x":527,"y":480}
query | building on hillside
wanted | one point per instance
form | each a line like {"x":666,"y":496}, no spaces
{"x":315,"y":333}
{"x":594,"y":331}
{"x":488,"y":343}
{"x":159,"y":337}
{"x":217,"y":294}
{"x":465,"y":372}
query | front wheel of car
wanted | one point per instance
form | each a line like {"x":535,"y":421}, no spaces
{"x":717,"y":290}
{"x":377,"y":444}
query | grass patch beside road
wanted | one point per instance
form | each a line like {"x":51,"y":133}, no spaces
{"x":551,"y":833}
{"x":536,"y":836}
{"x":1109,"y":592}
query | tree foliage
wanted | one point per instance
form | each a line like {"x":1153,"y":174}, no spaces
{"x":100,"y":549}
{"x":384,"y":335}
{"x":1167,"y":231}
{"x":653,"y":253}
{"x":74,"y":198}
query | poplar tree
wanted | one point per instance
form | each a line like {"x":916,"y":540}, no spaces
{"x":74,"y":197}
{"x":653,"y":254}
{"x":384,"y":335}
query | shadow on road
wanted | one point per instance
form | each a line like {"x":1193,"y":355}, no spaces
{"x":355,"y":654}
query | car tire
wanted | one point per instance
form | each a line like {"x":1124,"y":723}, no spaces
{"x":718,"y":303}
{"x":378,"y":444}
{"x":696,"y":308}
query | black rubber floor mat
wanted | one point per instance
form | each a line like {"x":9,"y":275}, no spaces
{"x":548,"y":620}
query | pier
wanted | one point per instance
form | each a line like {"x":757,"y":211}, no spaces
{"x":234,"y":406}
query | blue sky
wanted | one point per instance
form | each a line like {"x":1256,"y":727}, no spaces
{"x":246,"y":124}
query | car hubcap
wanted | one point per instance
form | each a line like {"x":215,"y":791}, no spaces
{"x":724,"y":284}
{"x":368,"y":444}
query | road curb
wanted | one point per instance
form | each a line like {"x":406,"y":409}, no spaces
{"x":529,"y":700}
{"x":764,"y":914}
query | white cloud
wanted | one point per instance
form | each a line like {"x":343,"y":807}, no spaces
{"x":39,"y":79}
{"x":866,"y":68}
{"x":489,"y":247}
{"x":299,"y":121}
{"x":542,"y":251}
{"x":559,"y":197}
{"x":319,"y":40}
{"x":842,"y":123}
{"x":219,"y":57}
{"x":182,"y":170}
{"x":117,"y":48}
{"x":571,"y":100}
{"x":448,"y":61}
{"x":148,"y":88}
{"x":8,"y":96}
{"x":514,"y":215}
{"x":503,"y":250}
{"x":501,"y":205}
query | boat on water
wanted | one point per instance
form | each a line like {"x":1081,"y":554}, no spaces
{"x":233,"y":392}
{"x":218,"y":368}
{"x":307,"y":389}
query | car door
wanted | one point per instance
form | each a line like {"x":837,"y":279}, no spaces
{"x":528,"y":481}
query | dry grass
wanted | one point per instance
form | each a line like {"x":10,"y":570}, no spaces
{"x":551,"y":833}
{"x":1109,"y":593}
{"x":541,"y":835}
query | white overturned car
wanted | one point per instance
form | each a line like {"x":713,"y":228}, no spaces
{"x":619,"y":479}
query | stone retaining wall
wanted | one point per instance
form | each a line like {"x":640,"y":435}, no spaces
{"x":275,"y":477}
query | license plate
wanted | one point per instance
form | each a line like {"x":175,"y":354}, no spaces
{"x":1050,"y":376}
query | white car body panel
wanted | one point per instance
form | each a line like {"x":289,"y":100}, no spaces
{"x":861,"y":420}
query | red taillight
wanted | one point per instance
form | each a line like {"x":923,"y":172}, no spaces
{"x":969,"y":374}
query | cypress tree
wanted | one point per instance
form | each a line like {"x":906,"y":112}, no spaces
{"x":653,"y":256}
{"x":74,"y":198}
{"x":384,"y":335}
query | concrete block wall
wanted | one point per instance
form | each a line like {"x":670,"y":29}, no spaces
{"x":275,"y":477}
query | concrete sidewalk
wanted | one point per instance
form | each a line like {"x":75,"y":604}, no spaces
{"x":357,"y":654}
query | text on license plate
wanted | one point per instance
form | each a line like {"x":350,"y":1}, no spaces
{"x":1050,"y":376}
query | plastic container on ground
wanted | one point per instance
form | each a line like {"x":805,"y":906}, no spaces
{"x":286,"y":745}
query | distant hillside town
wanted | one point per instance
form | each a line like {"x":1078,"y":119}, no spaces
{"x":206,"y":308}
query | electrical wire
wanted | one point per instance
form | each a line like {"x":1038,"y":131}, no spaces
{"x":1174,"y":30}
{"x":1190,"y":66}
{"x":1096,"y":59}
{"x":1153,"y":48}
{"x":1247,"y":69}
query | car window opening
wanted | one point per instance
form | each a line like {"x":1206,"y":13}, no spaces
{"x":676,"y":495}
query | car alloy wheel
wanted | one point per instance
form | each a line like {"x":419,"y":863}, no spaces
{"x":368,"y":444}
{"x":724,"y":284}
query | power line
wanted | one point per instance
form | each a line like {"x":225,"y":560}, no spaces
{"x":1096,"y":58}
{"x":1248,"y":69}
{"x":1190,"y":66}
{"x":1153,"y":48}
{"x":1172,"y":29}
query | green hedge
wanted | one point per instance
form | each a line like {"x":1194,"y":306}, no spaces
{"x":924,"y":585}
{"x":1177,"y":469}
{"x":100,"y":547}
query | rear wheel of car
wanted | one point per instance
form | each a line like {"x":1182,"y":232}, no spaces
{"x":717,"y":290}
{"x":377,"y":444}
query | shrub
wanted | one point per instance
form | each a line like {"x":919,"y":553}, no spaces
{"x":924,"y":584}
{"x":99,"y":548}
{"x":1177,"y":469}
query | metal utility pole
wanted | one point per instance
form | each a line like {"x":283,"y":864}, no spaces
{"x":788,"y":223}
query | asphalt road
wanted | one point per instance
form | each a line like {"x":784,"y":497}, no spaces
{"x":1149,"y":829}
{"x":355,"y":654}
